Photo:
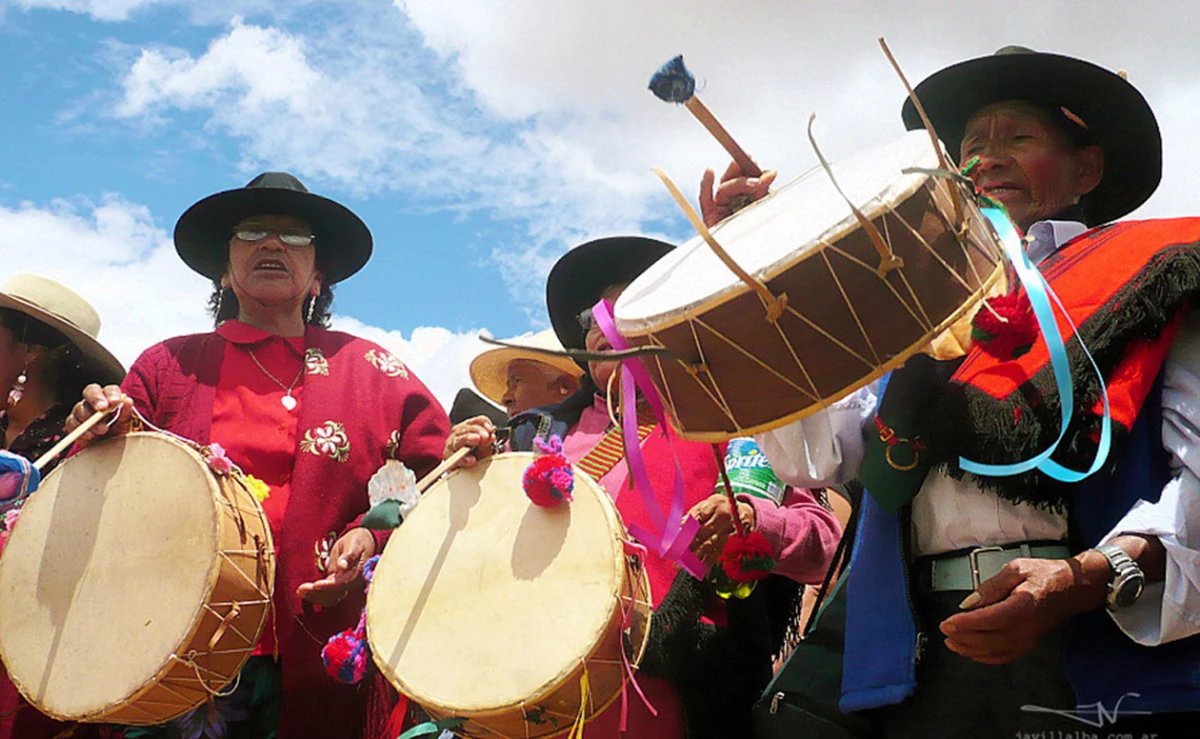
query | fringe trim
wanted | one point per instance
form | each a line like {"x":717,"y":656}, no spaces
{"x":969,"y":422}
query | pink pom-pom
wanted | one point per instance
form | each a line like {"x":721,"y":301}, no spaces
{"x":549,"y":480}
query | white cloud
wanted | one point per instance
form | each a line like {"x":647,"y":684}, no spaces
{"x":438,"y":356}
{"x":263,"y":69}
{"x":538,"y":112}
{"x":114,"y":254}
{"x":104,"y":10}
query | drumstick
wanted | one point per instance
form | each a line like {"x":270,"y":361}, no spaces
{"x":937,"y":147}
{"x":72,"y":437}
{"x":673,"y":83}
{"x":737,"y":520}
{"x":428,"y":480}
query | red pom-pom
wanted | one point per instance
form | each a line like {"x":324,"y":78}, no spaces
{"x":1005,"y":327}
{"x":549,"y":480}
{"x":747,"y":558}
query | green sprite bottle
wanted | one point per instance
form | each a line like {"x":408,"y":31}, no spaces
{"x":749,"y":474}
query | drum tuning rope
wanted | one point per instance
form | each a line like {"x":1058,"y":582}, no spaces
{"x":933,"y":137}
{"x":775,"y":304}
{"x":888,"y":260}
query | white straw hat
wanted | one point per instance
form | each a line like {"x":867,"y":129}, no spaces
{"x":489,"y":371}
{"x":64,"y":310}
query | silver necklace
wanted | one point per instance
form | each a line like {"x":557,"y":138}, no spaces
{"x":287,"y":400}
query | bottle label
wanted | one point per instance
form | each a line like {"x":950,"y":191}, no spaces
{"x":750,"y":473}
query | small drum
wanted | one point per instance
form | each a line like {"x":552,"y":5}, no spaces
{"x":844,"y":324}
{"x":489,"y":608}
{"x":135,"y":584}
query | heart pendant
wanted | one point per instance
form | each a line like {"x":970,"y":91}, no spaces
{"x":288,"y":402}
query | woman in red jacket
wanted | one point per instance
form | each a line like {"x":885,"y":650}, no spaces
{"x":313,"y":413}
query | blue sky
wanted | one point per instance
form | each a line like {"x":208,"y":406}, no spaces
{"x":479,"y":139}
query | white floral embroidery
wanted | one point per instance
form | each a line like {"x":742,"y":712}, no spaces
{"x":328,"y":439}
{"x":387,"y":363}
{"x":315,"y":362}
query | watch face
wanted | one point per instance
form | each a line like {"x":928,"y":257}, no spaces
{"x":1128,"y":591}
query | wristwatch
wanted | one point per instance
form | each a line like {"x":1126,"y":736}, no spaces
{"x":1125,"y":585}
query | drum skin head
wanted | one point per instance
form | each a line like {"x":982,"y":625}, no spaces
{"x":483,"y":602}
{"x":100,"y":581}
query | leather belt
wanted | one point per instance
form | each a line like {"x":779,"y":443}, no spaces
{"x":965,"y":570}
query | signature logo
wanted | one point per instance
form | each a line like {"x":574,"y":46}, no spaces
{"x":1081,"y":713}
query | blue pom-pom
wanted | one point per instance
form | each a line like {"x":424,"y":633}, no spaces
{"x":673,"y":83}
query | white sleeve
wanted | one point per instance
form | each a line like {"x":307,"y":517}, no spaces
{"x":825,"y":448}
{"x":1170,"y":610}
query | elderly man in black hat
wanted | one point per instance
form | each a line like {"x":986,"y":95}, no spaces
{"x":996,"y":606}
{"x":312,"y":413}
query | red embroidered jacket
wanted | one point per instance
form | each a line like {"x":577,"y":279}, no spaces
{"x":361,"y":406}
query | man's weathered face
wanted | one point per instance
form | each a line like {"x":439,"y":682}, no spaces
{"x":1027,"y":162}
{"x":533,"y":384}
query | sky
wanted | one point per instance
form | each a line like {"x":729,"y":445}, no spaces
{"x":479,"y":139}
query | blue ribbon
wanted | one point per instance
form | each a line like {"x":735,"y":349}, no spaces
{"x":1040,"y":297}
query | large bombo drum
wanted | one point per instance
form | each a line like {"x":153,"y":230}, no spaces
{"x":489,"y":608}
{"x":135,"y":584}
{"x":845,"y":324}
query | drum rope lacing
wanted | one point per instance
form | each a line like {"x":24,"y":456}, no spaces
{"x":775,"y":304}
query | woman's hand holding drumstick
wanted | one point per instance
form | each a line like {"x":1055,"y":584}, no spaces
{"x":98,"y":399}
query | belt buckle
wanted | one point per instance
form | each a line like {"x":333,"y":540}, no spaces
{"x":973,"y":557}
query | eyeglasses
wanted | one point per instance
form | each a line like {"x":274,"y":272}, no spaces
{"x":291,"y":238}
{"x":586,"y":319}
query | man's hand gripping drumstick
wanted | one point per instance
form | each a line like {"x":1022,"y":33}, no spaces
{"x":744,"y":181}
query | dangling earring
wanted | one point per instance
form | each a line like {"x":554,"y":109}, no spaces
{"x":18,"y":388}
{"x":220,"y":303}
{"x":312,"y":306}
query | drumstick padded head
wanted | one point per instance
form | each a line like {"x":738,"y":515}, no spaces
{"x":673,"y":83}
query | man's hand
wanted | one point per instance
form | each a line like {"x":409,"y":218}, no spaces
{"x":1010,"y":613}
{"x":98,"y":399}
{"x":477,"y":433}
{"x":716,"y":525}
{"x":344,"y":573}
{"x":735,"y":191}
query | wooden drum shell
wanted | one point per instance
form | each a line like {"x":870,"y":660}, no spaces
{"x":843,"y":327}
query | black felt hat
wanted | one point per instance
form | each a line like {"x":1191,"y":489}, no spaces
{"x":468,"y":404}
{"x":1115,"y":114}
{"x":581,"y":276}
{"x":343,"y":241}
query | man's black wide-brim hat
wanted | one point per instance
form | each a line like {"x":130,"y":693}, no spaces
{"x":1116,"y":115}
{"x":343,"y":241}
{"x":581,"y":276}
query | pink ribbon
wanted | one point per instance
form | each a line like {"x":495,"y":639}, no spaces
{"x":631,"y":548}
{"x":678,"y":529}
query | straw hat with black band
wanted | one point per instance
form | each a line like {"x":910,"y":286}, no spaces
{"x":64,"y":310}
{"x":343,"y":242}
{"x":581,"y":276}
{"x":1113,"y":114}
